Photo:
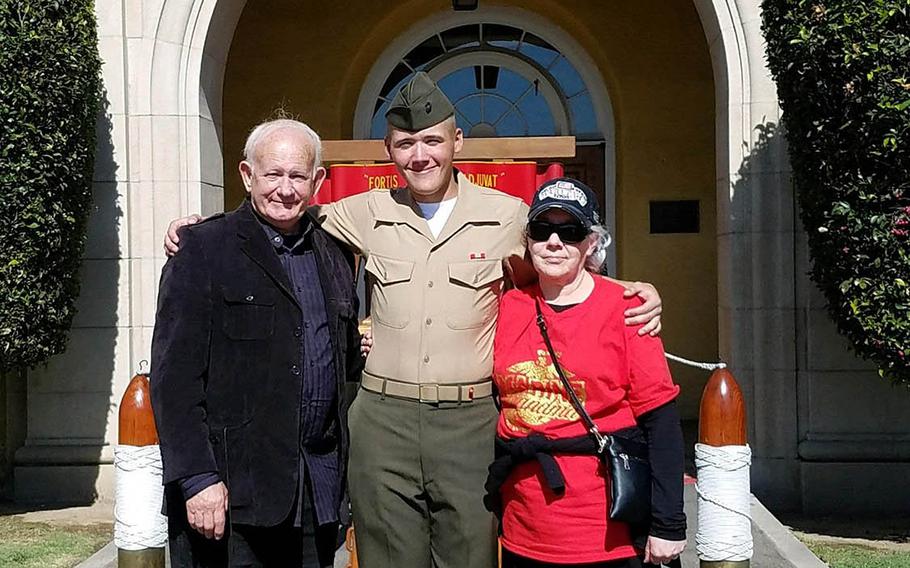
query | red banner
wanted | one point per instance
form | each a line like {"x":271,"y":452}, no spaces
{"x":351,"y":179}
{"x":520,"y":179}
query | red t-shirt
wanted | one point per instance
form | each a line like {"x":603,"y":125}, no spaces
{"x":617,"y":374}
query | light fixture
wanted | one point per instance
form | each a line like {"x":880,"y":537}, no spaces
{"x":464,"y":5}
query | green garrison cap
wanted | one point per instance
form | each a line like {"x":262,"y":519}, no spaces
{"x":418,"y":105}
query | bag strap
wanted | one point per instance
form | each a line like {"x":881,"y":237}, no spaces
{"x":579,"y":407}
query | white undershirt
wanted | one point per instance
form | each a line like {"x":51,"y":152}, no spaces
{"x":437,"y":214}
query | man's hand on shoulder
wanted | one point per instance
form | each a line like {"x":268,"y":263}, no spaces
{"x":171,"y":239}
{"x":366,"y":343}
{"x":648,"y":313}
{"x":206,"y":511}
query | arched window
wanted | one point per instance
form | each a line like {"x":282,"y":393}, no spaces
{"x":503,"y":81}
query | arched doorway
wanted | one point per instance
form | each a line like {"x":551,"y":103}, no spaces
{"x":749,"y":304}
{"x":185,"y":75}
{"x":343,"y":71}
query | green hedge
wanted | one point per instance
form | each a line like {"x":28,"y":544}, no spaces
{"x":49,"y":101}
{"x":843,"y":74}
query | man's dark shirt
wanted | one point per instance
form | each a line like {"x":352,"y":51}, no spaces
{"x":318,"y":421}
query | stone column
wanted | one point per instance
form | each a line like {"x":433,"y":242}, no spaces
{"x":67,"y":454}
{"x":159,"y":157}
{"x":853,"y":425}
{"x":756,"y":310}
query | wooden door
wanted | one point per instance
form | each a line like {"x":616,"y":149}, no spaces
{"x":588,"y":167}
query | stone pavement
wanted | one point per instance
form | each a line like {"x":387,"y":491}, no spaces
{"x":775,"y":546}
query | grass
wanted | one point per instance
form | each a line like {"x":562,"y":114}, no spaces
{"x":858,"y":556}
{"x":39,"y":545}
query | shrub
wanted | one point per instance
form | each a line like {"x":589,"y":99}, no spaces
{"x":843,"y":74}
{"x":49,"y":99}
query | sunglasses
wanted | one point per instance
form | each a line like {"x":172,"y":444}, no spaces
{"x":567,"y":232}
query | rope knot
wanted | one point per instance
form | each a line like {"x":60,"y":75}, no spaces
{"x":525,"y":449}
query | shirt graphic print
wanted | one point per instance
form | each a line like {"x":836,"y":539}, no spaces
{"x":532,"y":394}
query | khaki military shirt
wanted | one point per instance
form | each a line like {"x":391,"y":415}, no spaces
{"x":434,"y":300}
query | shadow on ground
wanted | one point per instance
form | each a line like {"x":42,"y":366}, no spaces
{"x":893,"y":528}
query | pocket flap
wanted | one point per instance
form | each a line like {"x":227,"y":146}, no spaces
{"x":389,"y":270}
{"x":248,"y":296}
{"x":476,"y":273}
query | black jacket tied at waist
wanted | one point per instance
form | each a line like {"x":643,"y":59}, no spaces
{"x":658,"y":427}
{"x":510,"y":453}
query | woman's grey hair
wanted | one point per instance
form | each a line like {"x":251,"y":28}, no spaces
{"x":597,"y":259}
{"x":262,"y":131}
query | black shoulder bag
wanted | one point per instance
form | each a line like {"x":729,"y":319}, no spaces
{"x":625,"y":459}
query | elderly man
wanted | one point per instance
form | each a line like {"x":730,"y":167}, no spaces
{"x":255,"y":341}
{"x":423,"y":424}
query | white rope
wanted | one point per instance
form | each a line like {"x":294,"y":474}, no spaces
{"x":724,"y":517}
{"x":138,"y":522}
{"x":696,"y":364}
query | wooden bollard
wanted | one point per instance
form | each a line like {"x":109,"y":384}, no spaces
{"x":722,"y":422}
{"x":722,"y":414}
{"x":137,"y":428}
{"x":349,"y":541}
{"x":352,"y":548}
{"x":137,"y":423}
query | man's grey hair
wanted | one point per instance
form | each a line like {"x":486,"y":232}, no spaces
{"x":597,"y":259}
{"x":263,"y":130}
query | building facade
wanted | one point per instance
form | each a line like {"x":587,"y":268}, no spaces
{"x":671,"y":105}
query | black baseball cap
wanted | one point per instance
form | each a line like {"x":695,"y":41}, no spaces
{"x":567,"y":194}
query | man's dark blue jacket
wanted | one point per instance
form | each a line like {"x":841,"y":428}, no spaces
{"x":226,"y":382}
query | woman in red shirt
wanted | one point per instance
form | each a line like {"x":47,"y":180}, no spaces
{"x":620,"y":377}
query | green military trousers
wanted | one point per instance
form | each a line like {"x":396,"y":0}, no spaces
{"x":416,"y":476}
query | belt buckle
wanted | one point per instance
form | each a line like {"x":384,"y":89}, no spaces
{"x":429,"y":393}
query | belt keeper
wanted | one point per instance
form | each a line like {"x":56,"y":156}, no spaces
{"x":385,"y":382}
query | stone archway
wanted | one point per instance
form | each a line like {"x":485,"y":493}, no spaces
{"x":187,"y":54}
{"x":159,"y":156}
{"x":175,"y":160}
{"x":757,"y":310}
{"x":183,"y":91}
